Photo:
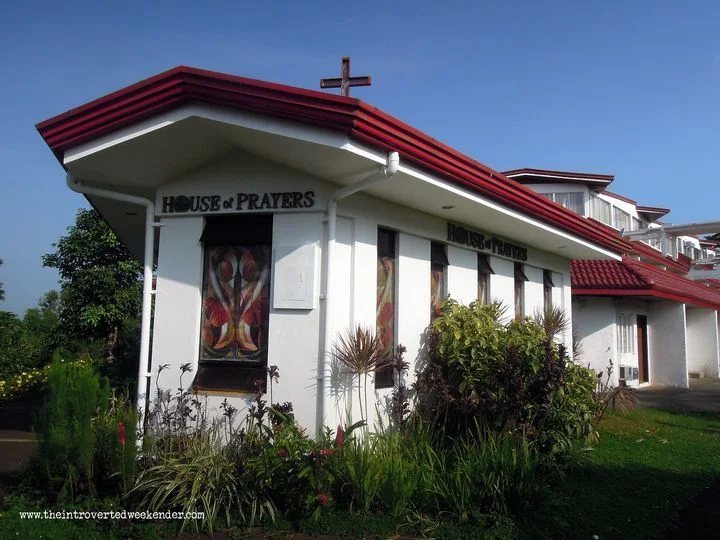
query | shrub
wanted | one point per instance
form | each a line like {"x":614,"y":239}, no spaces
{"x":509,"y":377}
{"x":80,"y":450}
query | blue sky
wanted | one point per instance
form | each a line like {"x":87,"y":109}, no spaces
{"x":626,"y":88}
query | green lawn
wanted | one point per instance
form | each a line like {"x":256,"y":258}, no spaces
{"x":648,"y":465}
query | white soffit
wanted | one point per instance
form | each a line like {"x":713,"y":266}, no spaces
{"x":477,"y":199}
{"x":247,"y":120}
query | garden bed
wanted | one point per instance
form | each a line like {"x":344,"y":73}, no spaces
{"x":644,"y":480}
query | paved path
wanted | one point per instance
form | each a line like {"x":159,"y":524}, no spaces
{"x":15,"y":450}
{"x":15,"y":435}
{"x":702,"y":396}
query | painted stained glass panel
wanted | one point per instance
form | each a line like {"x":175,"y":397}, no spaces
{"x":236,"y":301}
{"x":386,"y":301}
{"x":437,"y":292}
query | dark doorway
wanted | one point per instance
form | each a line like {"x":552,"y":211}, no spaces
{"x":642,"y":348}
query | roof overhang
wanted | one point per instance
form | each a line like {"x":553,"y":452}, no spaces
{"x":647,"y":295}
{"x":543,"y":176}
{"x":652,"y":213}
{"x":142,"y":136}
{"x":630,"y":278}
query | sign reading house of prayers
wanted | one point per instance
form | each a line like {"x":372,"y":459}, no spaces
{"x":240,"y":202}
{"x":458,"y":234}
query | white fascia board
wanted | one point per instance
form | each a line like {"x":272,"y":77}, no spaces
{"x":437,"y":181}
{"x":242,"y":119}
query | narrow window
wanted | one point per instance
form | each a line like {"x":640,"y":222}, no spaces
{"x":520,"y":279}
{"x":621,"y":219}
{"x":386,"y":286}
{"x":602,"y":210}
{"x":438,"y":271}
{"x":235,"y":303}
{"x":625,"y":334}
{"x":547,"y":290}
{"x":484,"y":273}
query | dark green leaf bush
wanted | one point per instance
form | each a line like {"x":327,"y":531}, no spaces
{"x":506,"y":377}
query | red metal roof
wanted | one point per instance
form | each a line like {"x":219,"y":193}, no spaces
{"x":367,"y":124}
{"x":711,"y":282}
{"x":633,"y":278}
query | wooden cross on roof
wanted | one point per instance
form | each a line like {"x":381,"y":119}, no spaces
{"x":345,"y":81}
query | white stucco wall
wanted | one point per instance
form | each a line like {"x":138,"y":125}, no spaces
{"x":594,"y":320}
{"x":534,"y":290}
{"x":176,"y":336}
{"x":667,"y":344}
{"x":502,"y":285}
{"x":295,"y":335}
{"x":462,"y":274}
{"x":702,"y":340}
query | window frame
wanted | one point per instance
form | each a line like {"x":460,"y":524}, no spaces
{"x":237,"y":232}
{"x":438,"y":264}
{"x":484,"y":270}
{"x":548,"y":286}
{"x":626,"y":224}
{"x":519,"y":290}
{"x":563,"y":198}
{"x":597,"y":205}
{"x":626,"y":334}
{"x":384,"y":378}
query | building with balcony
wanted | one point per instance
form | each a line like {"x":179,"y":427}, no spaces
{"x":642,"y":314}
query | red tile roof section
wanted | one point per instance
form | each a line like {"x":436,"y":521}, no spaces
{"x":183,"y":85}
{"x":632,"y":278}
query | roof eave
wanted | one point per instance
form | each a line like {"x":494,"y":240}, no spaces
{"x":358,"y":120}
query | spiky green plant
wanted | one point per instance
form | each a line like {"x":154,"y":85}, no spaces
{"x":360,"y":351}
{"x":202,"y":479}
{"x":552,"y":319}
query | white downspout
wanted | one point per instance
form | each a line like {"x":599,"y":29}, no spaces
{"x":385,"y":171}
{"x":144,"y":368}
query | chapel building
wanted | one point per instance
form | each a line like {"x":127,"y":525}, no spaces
{"x":279,"y":217}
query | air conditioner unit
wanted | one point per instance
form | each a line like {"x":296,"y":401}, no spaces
{"x":627,"y":374}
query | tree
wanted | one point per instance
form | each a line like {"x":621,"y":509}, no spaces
{"x":2,"y":291}
{"x":41,"y":325}
{"x":16,"y":350}
{"x":101,"y":282}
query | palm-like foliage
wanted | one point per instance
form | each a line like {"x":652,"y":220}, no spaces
{"x":552,"y":319}
{"x":360,"y":351}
